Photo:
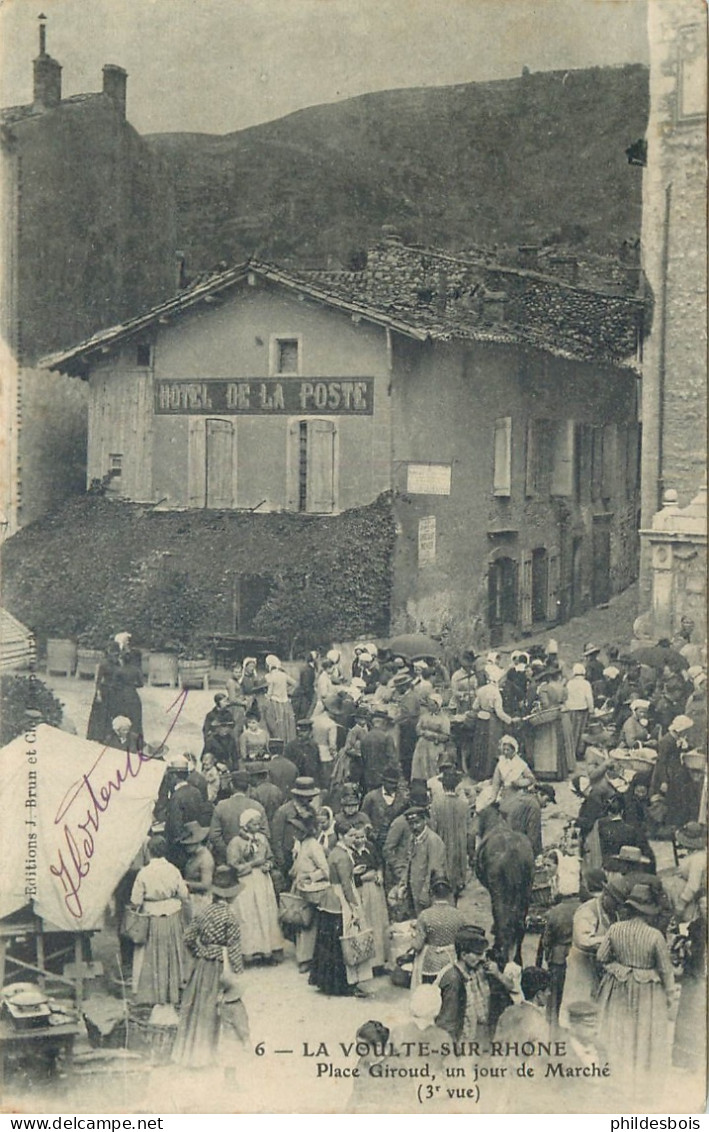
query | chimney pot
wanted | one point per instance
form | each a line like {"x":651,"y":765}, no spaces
{"x":114,"y":85}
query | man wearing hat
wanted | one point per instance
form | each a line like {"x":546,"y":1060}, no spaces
{"x":303,"y":750}
{"x":593,"y":663}
{"x":408,"y":708}
{"x":466,"y":987}
{"x":226,"y":818}
{"x":385,"y":803}
{"x":185,"y":804}
{"x":282,"y":772}
{"x":198,"y":869}
{"x":299,"y":807}
{"x":378,"y":752}
{"x":427,"y":859}
{"x":263,"y":790}
{"x":220,"y":711}
{"x":220,"y":742}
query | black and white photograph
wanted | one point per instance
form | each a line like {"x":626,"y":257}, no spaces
{"x":353,"y":663}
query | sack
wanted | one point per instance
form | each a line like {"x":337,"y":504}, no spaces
{"x":295,"y":911}
{"x":544,"y":715}
{"x":136,"y":926}
{"x":358,"y":947}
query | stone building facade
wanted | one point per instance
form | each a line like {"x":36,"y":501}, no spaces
{"x":674,"y":243}
{"x":497,"y":405}
{"x":87,"y":238}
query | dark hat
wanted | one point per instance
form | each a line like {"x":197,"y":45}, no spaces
{"x":470,"y":655}
{"x":194,"y":833}
{"x":257,"y":768}
{"x":401,"y":679}
{"x":471,"y":938}
{"x":276,"y":746}
{"x":305,"y":723}
{"x":304,"y":787}
{"x":379,"y":713}
{"x":415,"y":811}
{"x":226,"y":882}
{"x":418,"y":795}
{"x":441,"y":887}
{"x":349,"y":791}
{"x":693,"y":835}
{"x":547,"y":790}
{"x":240,"y":779}
{"x":390,"y":776}
{"x":579,"y":1010}
{"x":642,"y":897}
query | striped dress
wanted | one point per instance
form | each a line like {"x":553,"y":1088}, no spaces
{"x":635,"y":993}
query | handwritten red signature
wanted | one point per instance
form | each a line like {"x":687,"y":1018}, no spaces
{"x":82,"y":807}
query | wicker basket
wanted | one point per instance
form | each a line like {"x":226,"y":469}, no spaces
{"x":358,"y":947}
{"x":156,"y":1041}
{"x":295,"y":910}
{"x":544,"y":715}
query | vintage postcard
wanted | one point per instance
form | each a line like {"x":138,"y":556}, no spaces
{"x":353,"y":622}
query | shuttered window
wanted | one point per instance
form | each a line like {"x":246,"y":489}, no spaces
{"x":539,"y":457}
{"x":553,"y":584}
{"x":312,"y":471}
{"x":562,"y":479}
{"x":525,"y":590}
{"x":502,"y":474}
{"x":211,"y":464}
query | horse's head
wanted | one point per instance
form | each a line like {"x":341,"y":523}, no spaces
{"x":488,"y":819}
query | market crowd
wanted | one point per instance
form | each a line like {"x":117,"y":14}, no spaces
{"x":346,"y":810}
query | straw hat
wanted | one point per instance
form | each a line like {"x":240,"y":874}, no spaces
{"x":226,"y":882}
{"x":642,"y":897}
{"x":693,"y":835}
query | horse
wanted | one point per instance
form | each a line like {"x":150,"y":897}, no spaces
{"x":504,"y":865}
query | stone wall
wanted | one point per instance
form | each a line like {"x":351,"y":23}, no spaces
{"x":674,"y":260}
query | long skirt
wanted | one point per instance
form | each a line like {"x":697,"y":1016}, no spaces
{"x":256,"y":910}
{"x":376,"y":914}
{"x":573,"y":724}
{"x":633,"y":1021}
{"x":425,"y":760}
{"x":484,"y":748}
{"x":689,"y":1047}
{"x":549,"y":751}
{"x":100,"y":719}
{"x":279,"y":719}
{"x":328,"y":971}
{"x":160,"y":966}
{"x":305,"y":942}
{"x":197,"y":1037}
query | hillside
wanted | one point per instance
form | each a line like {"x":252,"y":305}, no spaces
{"x":533,"y":159}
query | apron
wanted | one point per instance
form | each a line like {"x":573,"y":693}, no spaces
{"x":364,"y":971}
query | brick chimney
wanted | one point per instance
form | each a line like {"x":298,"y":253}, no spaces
{"x":114,"y":85}
{"x":47,"y":73}
{"x":528,"y":256}
{"x":493,"y":306}
{"x":566,"y":267}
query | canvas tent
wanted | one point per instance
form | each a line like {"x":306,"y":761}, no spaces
{"x":73,"y":816}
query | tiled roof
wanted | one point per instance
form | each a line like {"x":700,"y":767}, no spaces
{"x":11,"y":114}
{"x":426,"y":295}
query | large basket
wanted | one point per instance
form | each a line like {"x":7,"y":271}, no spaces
{"x":544,"y":715}
{"x":156,"y":1041}
{"x":357,"y":948}
{"x":295,"y":911}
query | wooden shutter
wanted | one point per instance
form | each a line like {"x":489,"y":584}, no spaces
{"x":553,"y":582}
{"x":219,"y":446}
{"x":502,"y":475}
{"x":196,"y":462}
{"x":530,"y":462}
{"x":321,"y":466}
{"x":562,"y":480}
{"x":610,"y":461}
{"x":293,"y":466}
{"x":525,"y":590}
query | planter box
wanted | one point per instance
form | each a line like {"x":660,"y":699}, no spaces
{"x":194,"y":673}
{"x":61,"y":655}
{"x":162,"y":669}
{"x":87,"y":661}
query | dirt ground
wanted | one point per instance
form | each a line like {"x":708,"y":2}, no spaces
{"x":294,"y":1028}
